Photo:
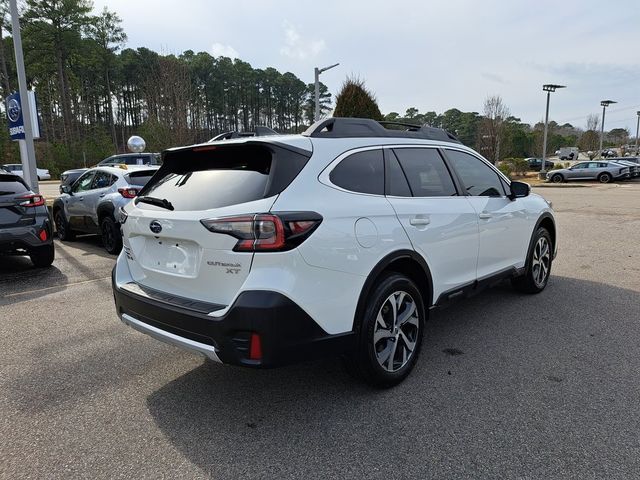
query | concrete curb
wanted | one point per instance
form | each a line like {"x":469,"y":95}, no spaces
{"x":568,"y":185}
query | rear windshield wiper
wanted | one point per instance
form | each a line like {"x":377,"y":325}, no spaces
{"x":2,"y":192}
{"x":158,"y":202}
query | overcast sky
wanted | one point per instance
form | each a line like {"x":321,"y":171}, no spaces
{"x":433,"y":55}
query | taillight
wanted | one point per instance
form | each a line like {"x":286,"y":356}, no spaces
{"x":32,"y":200}
{"x":128,"y":192}
{"x":123,"y":215}
{"x":266,"y":232}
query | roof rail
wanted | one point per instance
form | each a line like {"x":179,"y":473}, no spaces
{"x":259,"y":131}
{"x":340,"y":127}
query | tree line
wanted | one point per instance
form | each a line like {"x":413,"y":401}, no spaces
{"x":93,"y":93}
{"x":497,"y":134}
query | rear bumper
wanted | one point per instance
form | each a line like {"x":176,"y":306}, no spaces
{"x":25,"y":237}
{"x":287,"y":333}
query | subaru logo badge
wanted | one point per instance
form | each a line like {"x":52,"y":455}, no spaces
{"x":155,"y":226}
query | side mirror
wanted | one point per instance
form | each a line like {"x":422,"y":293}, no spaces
{"x":519,"y":190}
{"x":66,"y":189}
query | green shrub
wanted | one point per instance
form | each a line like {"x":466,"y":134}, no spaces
{"x":506,"y":168}
{"x":518,"y":166}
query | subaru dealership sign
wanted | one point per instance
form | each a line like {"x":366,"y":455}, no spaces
{"x":16,"y":120}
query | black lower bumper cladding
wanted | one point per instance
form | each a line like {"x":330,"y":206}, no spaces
{"x":287,"y":333}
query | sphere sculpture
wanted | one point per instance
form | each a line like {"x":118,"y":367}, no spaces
{"x":136,"y":144}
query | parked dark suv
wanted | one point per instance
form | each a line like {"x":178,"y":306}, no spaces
{"x":25,"y":226}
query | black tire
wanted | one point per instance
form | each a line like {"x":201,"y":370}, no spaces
{"x":111,"y":237}
{"x":532,"y":281}
{"x":364,"y":361}
{"x":604,"y":178}
{"x":38,"y":177}
{"x":557,"y":178}
{"x":62,"y":227}
{"x":42,"y":257}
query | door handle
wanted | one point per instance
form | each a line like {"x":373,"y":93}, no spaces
{"x":485,"y":215}
{"x":419,"y":221}
{"x":81,"y":199}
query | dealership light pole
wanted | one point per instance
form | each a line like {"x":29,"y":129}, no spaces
{"x":604,"y":104}
{"x":318,"y":71}
{"x":27,"y":152}
{"x":547,"y":88}
{"x":637,"y":132}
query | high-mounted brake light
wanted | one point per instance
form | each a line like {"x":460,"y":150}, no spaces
{"x":32,"y":200}
{"x":128,"y":192}
{"x":266,"y":232}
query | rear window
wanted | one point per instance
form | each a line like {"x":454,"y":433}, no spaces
{"x":362,"y":172}
{"x":141,"y":178}
{"x":10,"y":184}
{"x":213,"y":177}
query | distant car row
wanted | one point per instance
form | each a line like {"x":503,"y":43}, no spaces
{"x":91,"y":204}
{"x":604,"y":171}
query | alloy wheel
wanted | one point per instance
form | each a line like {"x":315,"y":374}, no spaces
{"x":396,"y":331}
{"x":60,"y":225}
{"x":108,"y":236}
{"x":541,"y":261}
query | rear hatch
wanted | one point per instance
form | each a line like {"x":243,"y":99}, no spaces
{"x":169,"y":249}
{"x":14,"y":198}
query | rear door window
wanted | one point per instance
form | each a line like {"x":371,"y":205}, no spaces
{"x":102,"y":180}
{"x":362,"y":172}
{"x":426,"y":172}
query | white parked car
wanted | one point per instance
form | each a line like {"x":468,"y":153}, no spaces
{"x":16,"y":169}
{"x":264,"y":251}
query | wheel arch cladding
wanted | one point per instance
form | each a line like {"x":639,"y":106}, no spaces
{"x":546,"y":221}
{"x":104,"y":210}
{"x":406,"y":262}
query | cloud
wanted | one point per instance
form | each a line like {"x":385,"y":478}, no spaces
{"x":297,"y":47}
{"x":220,"y":50}
{"x":493,"y":77}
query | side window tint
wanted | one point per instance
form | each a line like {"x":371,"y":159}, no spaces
{"x":478,"y":178}
{"x":426,"y":172}
{"x":361,"y":172}
{"x":397,"y":185}
{"x":84,"y":182}
{"x":101,"y":180}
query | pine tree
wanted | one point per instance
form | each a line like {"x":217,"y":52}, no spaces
{"x":354,"y":100}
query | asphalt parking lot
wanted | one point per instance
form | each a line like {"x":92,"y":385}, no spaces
{"x":508,"y":386}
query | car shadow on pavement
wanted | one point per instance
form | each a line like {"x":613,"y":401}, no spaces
{"x":88,"y":245}
{"x":494,"y":367}
{"x":18,"y":275}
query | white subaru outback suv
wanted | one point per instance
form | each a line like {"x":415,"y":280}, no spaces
{"x":263,"y":251}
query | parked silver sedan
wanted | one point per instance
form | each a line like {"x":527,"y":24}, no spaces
{"x":604,"y":172}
